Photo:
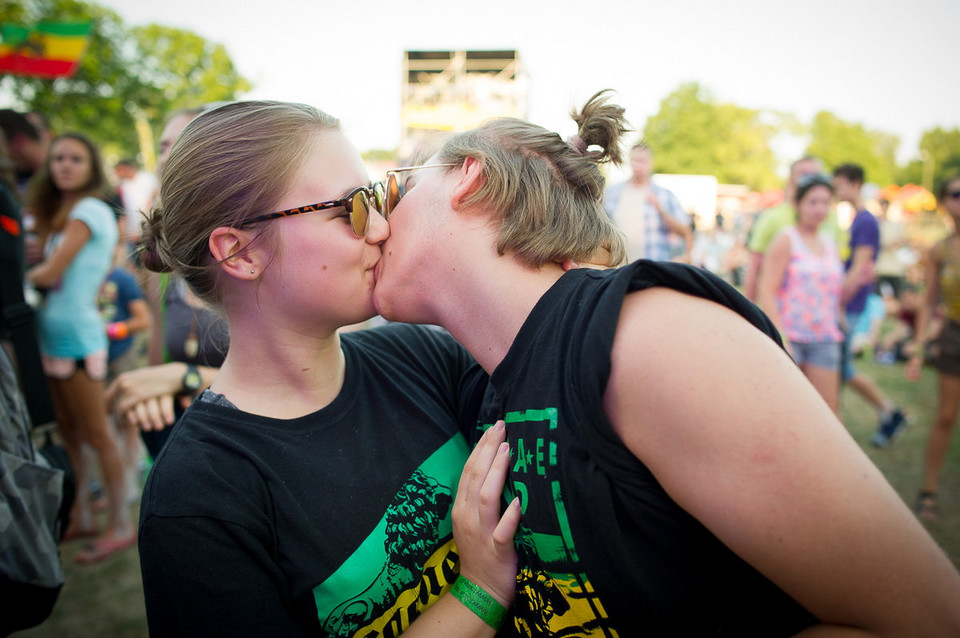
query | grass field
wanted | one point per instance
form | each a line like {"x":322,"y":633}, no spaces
{"x":106,"y":600}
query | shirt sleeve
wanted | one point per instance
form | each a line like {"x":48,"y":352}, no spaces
{"x":94,"y":214}
{"x":866,"y":234}
{"x":673,"y":208}
{"x":206,"y":577}
{"x":129,"y":288}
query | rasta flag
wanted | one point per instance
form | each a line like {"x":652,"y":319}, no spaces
{"x":48,"y":50}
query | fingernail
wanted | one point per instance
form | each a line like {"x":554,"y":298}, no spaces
{"x":504,"y":447}
{"x":498,"y":426}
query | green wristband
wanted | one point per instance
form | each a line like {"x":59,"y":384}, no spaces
{"x":479,"y":602}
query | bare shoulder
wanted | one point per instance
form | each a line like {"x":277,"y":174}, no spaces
{"x":666,"y":323}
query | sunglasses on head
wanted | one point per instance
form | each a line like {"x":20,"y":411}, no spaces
{"x":395,"y":190}
{"x":357,"y":203}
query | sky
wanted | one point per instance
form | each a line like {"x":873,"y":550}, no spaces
{"x":881,"y":63}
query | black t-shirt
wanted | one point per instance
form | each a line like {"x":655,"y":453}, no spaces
{"x":603,"y":550}
{"x":335,"y":523}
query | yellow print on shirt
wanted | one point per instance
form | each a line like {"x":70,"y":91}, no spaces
{"x":558,"y":605}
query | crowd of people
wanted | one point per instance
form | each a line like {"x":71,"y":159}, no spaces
{"x":534,"y":460}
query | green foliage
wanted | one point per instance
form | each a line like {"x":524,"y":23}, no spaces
{"x":838,"y":142}
{"x":694,"y":134}
{"x":940,"y":152}
{"x":188,"y":70}
{"x":125,"y":74}
{"x":379,"y":155}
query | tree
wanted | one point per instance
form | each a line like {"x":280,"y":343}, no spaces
{"x":125,"y":75}
{"x":694,"y":134}
{"x":188,"y":70}
{"x":939,"y":159}
{"x":838,"y":142}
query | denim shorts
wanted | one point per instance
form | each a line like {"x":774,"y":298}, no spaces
{"x":823,"y":354}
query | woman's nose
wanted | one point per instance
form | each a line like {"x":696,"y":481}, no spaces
{"x":379,"y":229}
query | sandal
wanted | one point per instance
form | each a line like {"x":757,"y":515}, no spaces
{"x":104,"y":548}
{"x":927,"y":508}
{"x":74,"y":533}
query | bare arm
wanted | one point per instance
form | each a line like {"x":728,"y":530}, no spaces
{"x":48,"y":272}
{"x":861,"y":272}
{"x":140,"y":316}
{"x":145,"y":396}
{"x":754,"y":262}
{"x":780,"y":482}
{"x":772,"y":272}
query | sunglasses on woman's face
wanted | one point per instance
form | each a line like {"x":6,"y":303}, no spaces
{"x":395,"y":190}
{"x":357,"y":203}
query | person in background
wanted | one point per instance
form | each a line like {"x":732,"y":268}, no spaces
{"x":891,"y":264}
{"x":857,"y":285}
{"x":312,"y":489}
{"x":136,"y":189}
{"x":678,"y":474}
{"x":646,"y":213}
{"x":27,"y":145}
{"x":896,"y":344}
{"x":187,"y":344}
{"x":800,"y":283}
{"x":770,"y":221}
{"x":26,"y":142}
{"x":943,"y":286}
{"x":127,"y":317}
{"x":78,"y":232}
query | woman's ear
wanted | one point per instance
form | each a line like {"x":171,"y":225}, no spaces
{"x":229,"y":247}
{"x":471,"y":179}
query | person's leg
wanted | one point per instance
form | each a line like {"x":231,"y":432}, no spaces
{"x":131,"y":447}
{"x":892,"y":419}
{"x":865,"y":387}
{"x":84,"y":396}
{"x":827,"y":383}
{"x":939,"y":442}
{"x":82,"y":522}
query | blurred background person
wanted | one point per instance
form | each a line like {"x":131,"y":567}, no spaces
{"x":864,"y":244}
{"x":136,"y":189}
{"x":78,"y":232}
{"x":27,"y":144}
{"x":894,"y":256}
{"x":800,"y":281}
{"x":188,"y":341}
{"x":127,"y":317}
{"x":772,"y":220}
{"x":648,"y":214}
{"x":943,"y":285}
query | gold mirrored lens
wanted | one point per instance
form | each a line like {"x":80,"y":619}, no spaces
{"x":360,"y":215}
{"x":392,"y":197}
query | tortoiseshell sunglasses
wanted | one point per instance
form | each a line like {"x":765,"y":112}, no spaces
{"x":357,"y":203}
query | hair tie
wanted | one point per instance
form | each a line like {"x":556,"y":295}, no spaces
{"x":578,"y":143}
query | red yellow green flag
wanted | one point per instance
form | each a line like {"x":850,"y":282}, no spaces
{"x":48,"y":50}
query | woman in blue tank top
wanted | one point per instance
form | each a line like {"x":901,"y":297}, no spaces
{"x":79,"y":234}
